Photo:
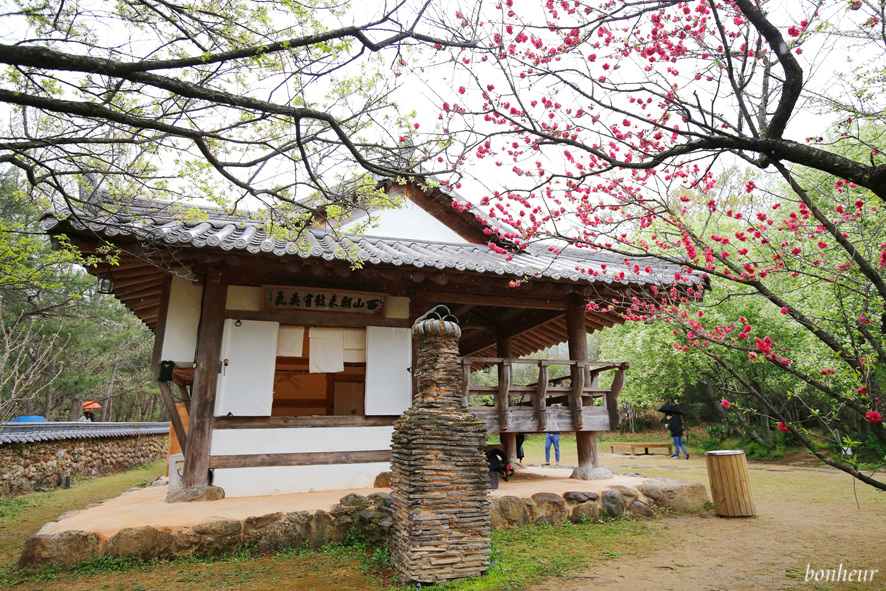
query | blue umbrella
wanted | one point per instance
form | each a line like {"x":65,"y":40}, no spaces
{"x":29,"y":419}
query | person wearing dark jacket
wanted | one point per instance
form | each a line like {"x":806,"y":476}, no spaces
{"x":675,"y":426}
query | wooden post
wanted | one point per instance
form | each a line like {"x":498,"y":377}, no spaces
{"x":587,"y":449}
{"x":160,"y":331}
{"x":212,"y":318}
{"x":540,"y":402}
{"x":174,"y":417}
{"x":466,"y":382}
{"x":508,"y":439}
{"x":501,"y":399}
{"x":576,"y":330}
{"x":611,"y":398}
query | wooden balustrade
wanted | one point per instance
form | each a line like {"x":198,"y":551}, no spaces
{"x":546,"y":406}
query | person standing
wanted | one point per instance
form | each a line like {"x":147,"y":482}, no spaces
{"x":675,"y":426}
{"x":552,"y":439}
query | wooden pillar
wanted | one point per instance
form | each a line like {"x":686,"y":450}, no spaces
{"x":212,"y":319}
{"x":508,"y":439}
{"x":160,"y":331}
{"x":576,"y":330}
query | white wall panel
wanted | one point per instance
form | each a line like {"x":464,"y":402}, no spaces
{"x":249,"y":355}
{"x":388,"y":381}
{"x":274,"y":441}
{"x":182,"y":320}
{"x":243,"y":297}
{"x":291,"y":341}
{"x":282,"y":480}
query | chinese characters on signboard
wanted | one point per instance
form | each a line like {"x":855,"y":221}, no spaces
{"x":298,"y":299}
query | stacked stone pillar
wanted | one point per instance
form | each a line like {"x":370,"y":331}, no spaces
{"x":439,"y":474}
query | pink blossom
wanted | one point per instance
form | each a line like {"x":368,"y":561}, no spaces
{"x":782,"y":427}
{"x":725,"y":403}
{"x":783,"y":310}
{"x":873,"y":417}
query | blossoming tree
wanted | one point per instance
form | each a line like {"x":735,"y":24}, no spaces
{"x":272,"y":102}
{"x":615,"y":120}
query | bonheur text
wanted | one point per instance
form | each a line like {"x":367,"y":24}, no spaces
{"x":840,"y":574}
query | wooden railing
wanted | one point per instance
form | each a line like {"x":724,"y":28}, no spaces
{"x":531,"y":408}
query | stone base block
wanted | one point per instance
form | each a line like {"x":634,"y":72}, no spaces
{"x":591,"y":473}
{"x":192,"y":495}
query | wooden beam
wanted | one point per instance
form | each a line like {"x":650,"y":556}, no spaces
{"x":300,"y":459}
{"x":136,"y":292}
{"x":196,"y":470}
{"x":302,"y":422}
{"x":499,"y":301}
{"x":185,"y":396}
{"x":155,"y":278}
{"x":319,"y":318}
{"x":174,"y":418}
{"x":522,"y":420}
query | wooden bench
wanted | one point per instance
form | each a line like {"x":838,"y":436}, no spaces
{"x":644,"y":446}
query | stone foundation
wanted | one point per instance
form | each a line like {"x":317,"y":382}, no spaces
{"x":31,"y":466}
{"x":369,"y":517}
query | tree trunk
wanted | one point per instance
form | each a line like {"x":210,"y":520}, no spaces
{"x":76,"y":409}
{"x":106,"y":401}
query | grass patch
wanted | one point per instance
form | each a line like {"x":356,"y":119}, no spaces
{"x":531,"y":554}
{"x":22,"y":516}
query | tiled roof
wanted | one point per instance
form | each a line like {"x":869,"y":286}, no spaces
{"x":31,"y":432}
{"x":145,"y":221}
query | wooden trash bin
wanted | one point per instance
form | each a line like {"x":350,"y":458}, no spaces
{"x":730,"y":483}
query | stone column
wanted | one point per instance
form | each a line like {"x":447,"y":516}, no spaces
{"x":439,"y":474}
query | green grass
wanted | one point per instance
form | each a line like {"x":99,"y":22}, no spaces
{"x":531,"y":554}
{"x":23,"y":515}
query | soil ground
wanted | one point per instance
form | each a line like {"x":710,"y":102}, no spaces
{"x":807,"y":518}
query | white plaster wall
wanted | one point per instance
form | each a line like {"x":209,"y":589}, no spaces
{"x":243,"y":297}
{"x":282,"y":480}
{"x":182,"y":321}
{"x":274,"y":441}
{"x":397,"y":307}
{"x":410,"y":221}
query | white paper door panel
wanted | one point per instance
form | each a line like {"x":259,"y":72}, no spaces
{"x":246,"y":382}
{"x":388,"y":381}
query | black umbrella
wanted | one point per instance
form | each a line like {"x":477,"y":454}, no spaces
{"x":671,"y":409}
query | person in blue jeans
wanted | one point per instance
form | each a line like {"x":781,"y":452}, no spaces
{"x":552,"y":439}
{"x":675,"y":426}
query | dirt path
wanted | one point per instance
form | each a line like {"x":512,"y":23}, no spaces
{"x":805,"y":517}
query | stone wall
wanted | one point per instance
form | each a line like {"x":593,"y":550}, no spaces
{"x":369,"y":516}
{"x":30,"y":466}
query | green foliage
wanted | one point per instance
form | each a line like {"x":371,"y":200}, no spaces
{"x":78,"y":343}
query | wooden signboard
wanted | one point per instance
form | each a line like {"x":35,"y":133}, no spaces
{"x":306,"y":299}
